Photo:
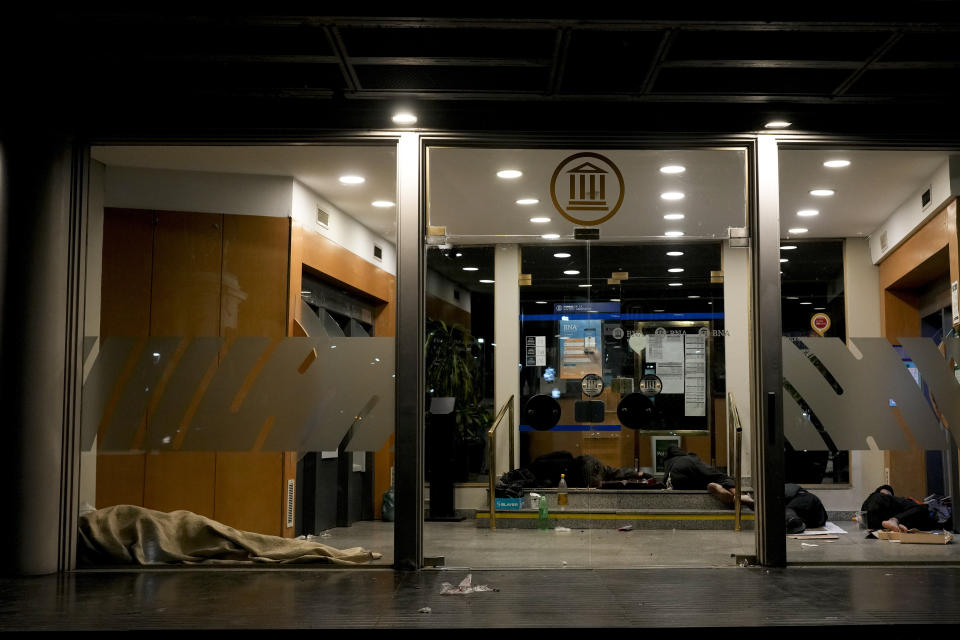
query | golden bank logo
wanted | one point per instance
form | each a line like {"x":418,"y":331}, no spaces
{"x":587,"y":188}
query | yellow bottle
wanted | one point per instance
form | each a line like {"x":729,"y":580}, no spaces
{"x":562,"y":491}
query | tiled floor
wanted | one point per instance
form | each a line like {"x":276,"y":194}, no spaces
{"x":462,"y":544}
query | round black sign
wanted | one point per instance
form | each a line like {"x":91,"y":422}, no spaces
{"x":541,"y":412}
{"x":591,"y":385}
{"x":650,"y":385}
{"x":637,"y":411}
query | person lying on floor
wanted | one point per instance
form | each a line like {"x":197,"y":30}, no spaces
{"x":685,"y":471}
{"x":886,"y":510}
{"x":803,"y":509}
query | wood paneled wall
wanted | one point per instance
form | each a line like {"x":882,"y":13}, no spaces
{"x":197,"y":274}
{"x":901,"y":319}
{"x":313,"y":250}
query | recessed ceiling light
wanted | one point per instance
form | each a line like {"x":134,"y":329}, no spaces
{"x":822,"y":193}
{"x":672,"y":195}
{"x":674,"y":253}
{"x":527,"y":201}
{"x":673,"y":168}
{"x":571,"y":272}
{"x":486,"y":281}
{"x":561,"y":255}
{"x":471,"y":268}
{"x":614,"y":299}
{"x":352,"y":179}
{"x":584,"y":286}
{"x":540,"y":219}
{"x":819,"y":308}
{"x":404,"y":117}
{"x":383,"y":204}
{"x":836,"y":164}
{"x":784,"y":260}
{"x":676,"y":284}
{"x":792,"y":298}
{"x":673,"y":234}
{"x":797,"y":230}
{"x":459,"y":255}
{"x":693,"y":296}
{"x":808,"y":213}
{"x":777,"y":124}
{"x":673,"y":216}
{"x":550,"y":236}
{"x":675,"y":270}
{"x":658,"y":310}
{"x":509,"y":174}
{"x":788,"y":247}
{"x":806,"y":303}
{"x":541,"y":302}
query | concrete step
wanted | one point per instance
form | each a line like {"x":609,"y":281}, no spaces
{"x":600,"y":499}
{"x":572,"y":518}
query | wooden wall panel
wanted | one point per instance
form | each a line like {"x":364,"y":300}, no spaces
{"x":255,"y":272}
{"x":127,"y":272}
{"x":439,"y":309}
{"x":908,"y":473}
{"x":119,"y":479}
{"x":187,"y":253}
{"x":182,"y":480}
{"x":247,"y":493}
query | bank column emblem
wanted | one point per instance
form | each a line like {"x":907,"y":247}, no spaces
{"x":583,"y":186}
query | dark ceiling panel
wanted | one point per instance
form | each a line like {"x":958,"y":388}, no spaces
{"x":909,"y":84}
{"x":925,"y":47}
{"x":432,"y":78}
{"x":750,"y":81}
{"x":775,"y":45}
{"x":609,"y":62}
{"x":434,"y":42}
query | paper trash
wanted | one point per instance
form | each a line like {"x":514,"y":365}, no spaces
{"x":464,"y":587}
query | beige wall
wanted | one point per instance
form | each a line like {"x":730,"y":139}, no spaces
{"x":736,"y":309}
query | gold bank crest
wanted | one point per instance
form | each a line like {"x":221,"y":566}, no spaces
{"x":587,"y":188}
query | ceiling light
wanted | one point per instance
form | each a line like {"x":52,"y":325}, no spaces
{"x":673,"y":234}
{"x":819,"y":308}
{"x":807,"y":213}
{"x":459,"y":255}
{"x":527,"y":201}
{"x":797,"y":230}
{"x":540,"y":219}
{"x":541,"y":302}
{"x":788,"y":247}
{"x":777,"y":124}
{"x":509,"y":174}
{"x":792,"y":298}
{"x":806,"y":303}
{"x":584,"y":286}
{"x":693,"y":296}
{"x":822,"y":193}
{"x":404,"y":117}
{"x":383,"y":204}
{"x":471,"y":269}
{"x":673,"y":216}
{"x":550,"y":236}
{"x":675,"y":270}
{"x":571,"y":272}
{"x":672,"y":195}
{"x":676,"y":284}
{"x":486,"y":282}
{"x":658,"y":310}
{"x":561,"y":255}
{"x":352,"y":179}
{"x":836,"y":164}
{"x":614,"y":299}
{"x":783,"y":260}
{"x":673,"y":168}
{"x":674,"y":253}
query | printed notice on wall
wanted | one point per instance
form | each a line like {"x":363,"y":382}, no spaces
{"x":695,"y":375}
{"x":953,"y":298}
{"x":536,"y":348}
{"x":667,"y":352}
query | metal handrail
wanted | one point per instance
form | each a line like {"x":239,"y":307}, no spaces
{"x":733,"y":419}
{"x":492,"y":456}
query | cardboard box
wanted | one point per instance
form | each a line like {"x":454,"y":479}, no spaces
{"x":915,"y":537}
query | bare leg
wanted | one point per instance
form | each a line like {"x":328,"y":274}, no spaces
{"x":720,"y":493}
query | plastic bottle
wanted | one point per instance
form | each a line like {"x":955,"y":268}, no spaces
{"x":543,"y":522}
{"x":562,"y":491}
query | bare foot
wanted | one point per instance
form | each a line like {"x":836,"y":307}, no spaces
{"x":720,"y":493}
{"x":893,"y":525}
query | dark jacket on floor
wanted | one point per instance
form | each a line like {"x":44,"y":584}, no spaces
{"x":803,"y":505}
{"x":687,"y":471}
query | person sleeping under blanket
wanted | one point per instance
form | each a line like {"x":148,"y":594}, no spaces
{"x":686,"y":471}
{"x":888,"y":511}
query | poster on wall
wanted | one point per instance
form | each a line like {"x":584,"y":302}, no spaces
{"x":666,"y":352}
{"x":536,"y":351}
{"x":695,"y":375}
{"x":953,"y":300}
{"x":581,"y":353}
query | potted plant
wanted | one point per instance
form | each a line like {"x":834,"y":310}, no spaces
{"x":452,"y":371}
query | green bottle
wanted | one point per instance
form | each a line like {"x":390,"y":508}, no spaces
{"x":543,"y":523}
